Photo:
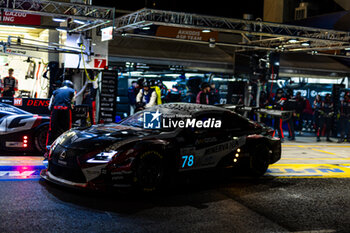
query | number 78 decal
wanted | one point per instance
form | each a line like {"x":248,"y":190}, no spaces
{"x":187,"y":161}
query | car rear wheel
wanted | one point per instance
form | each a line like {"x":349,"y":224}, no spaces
{"x":259,"y":160}
{"x":40,"y":138}
{"x":149,"y":171}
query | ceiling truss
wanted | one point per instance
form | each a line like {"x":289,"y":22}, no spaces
{"x":257,"y":35}
{"x":94,"y":16}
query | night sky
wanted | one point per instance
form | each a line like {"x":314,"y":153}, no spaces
{"x":215,"y":7}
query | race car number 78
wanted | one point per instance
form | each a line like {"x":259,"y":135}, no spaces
{"x":188,"y":161}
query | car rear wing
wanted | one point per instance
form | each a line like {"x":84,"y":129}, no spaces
{"x":241,"y":109}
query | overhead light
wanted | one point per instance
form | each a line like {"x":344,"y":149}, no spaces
{"x":206,"y":30}
{"x":61,"y":29}
{"x":59,"y":19}
{"x":292,"y":40}
{"x":79,"y":21}
{"x":305,"y":44}
{"x":347,"y":48}
{"x":146,"y":28}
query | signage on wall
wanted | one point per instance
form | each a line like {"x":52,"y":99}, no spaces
{"x":106,"y":33}
{"x":100,"y":63}
{"x":186,"y":33}
{"x":20,"y":18}
{"x":37,"y":106}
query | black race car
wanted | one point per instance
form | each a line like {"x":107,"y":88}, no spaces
{"x":150,"y":146}
{"x":21,"y":131}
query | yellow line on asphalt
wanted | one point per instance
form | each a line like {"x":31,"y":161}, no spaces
{"x":309,"y":170}
{"x":305,"y":146}
{"x":315,"y":158}
{"x":323,"y":151}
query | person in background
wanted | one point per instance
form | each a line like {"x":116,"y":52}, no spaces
{"x":308,"y":116}
{"x":317,"y":105}
{"x":327,"y":115}
{"x":89,"y":99}
{"x":300,"y":106}
{"x":202,"y":96}
{"x":214,"y":97}
{"x":156,"y":88}
{"x":174,"y":95}
{"x":163,"y":91}
{"x":290,"y":105}
{"x":61,"y":104}
{"x":146,"y":97}
{"x":344,"y":118}
{"x":132,"y":93}
{"x":278,"y":104}
{"x":193,"y":86}
{"x":139,"y":85}
{"x":9,"y":85}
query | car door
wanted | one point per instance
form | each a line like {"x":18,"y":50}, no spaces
{"x":204,"y":147}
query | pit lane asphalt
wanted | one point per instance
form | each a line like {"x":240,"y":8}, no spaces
{"x":205,"y":204}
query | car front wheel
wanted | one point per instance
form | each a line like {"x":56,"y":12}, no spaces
{"x":259,"y":160}
{"x":149,"y":171}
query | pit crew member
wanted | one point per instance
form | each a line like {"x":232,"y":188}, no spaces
{"x":61,"y":104}
{"x":9,"y":85}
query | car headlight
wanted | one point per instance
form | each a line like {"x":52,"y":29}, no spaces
{"x":103,"y":157}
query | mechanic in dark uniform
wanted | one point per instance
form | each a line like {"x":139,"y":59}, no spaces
{"x":214,"y":97}
{"x":174,"y":94}
{"x":344,"y":118}
{"x":163,"y":90}
{"x":132,"y":92}
{"x":327,"y":111}
{"x":202,"y":96}
{"x":278,"y":104}
{"x":61,"y":104}
{"x":89,"y":100}
{"x":291,"y":105}
{"x":317,"y":105}
{"x":301,"y":104}
{"x":9,"y":85}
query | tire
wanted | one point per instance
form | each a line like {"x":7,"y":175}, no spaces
{"x":149,"y":171}
{"x":259,"y":160}
{"x":40,"y":138}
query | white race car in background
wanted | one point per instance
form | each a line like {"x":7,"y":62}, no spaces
{"x":22,"y":131}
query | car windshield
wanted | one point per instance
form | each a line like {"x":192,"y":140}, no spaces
{"x":135,"y":120}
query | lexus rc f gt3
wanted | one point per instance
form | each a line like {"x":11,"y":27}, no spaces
{"x":21,"y":131}
{"x":147,"y":148}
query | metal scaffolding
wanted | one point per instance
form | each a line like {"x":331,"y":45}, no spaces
{"x":92,"y":16}
{"x":257,"y":34}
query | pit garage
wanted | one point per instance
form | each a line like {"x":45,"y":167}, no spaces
{"x":302,"y":182}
